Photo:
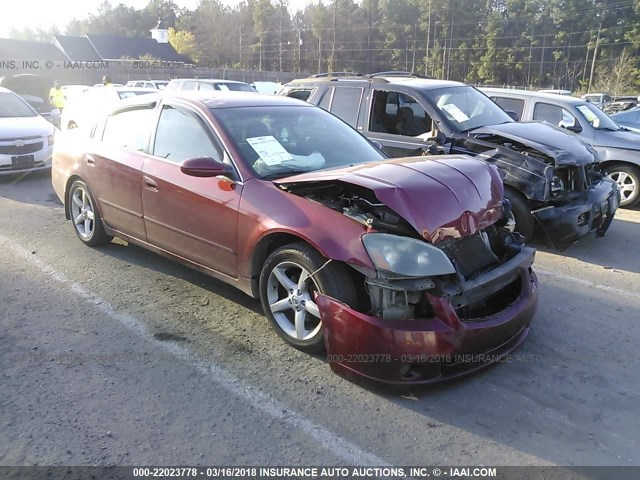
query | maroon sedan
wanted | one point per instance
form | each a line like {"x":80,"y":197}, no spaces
{"x":400,"y":268}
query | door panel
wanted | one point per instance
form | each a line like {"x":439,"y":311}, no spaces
{"x":195,"y":218}
{"x":113,"y":170}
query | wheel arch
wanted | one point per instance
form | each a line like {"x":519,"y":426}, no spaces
{"x":67,"y":187}
{"x":265,"y":247}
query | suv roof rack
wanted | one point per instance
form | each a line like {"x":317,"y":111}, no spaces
{"x":336,"y":74}
{"x":393,"y":73}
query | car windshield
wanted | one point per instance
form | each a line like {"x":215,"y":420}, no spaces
{"x":132,"y":93}
{"x":280,"y":141}
{"x":161,"y":85}
{"x":13,"y":106}
{"x":466,"y":109}
{"x":596,"y":117}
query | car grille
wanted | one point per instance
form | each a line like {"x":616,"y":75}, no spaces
{"x":21,"y":150}
{"x":471,"y":255}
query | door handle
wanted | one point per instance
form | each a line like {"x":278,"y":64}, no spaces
{"x":150,"y":183}
{"x":89,"y":159}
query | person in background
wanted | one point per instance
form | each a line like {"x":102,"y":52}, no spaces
{"x":56,"y":96}
{"x":106,"y":81}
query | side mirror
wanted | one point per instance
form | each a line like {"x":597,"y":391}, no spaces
{"x":204,"y":167}
{"x":574,"y":128}
{"x":513,"y":115}
{"x":377,"y":144}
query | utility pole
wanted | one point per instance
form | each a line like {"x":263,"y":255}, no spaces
{"x":415,"y":39}
{"x":426,"y":53}
{"x":544,"y":44}
{"x":530,"y":58}
{"x":595,"y":55}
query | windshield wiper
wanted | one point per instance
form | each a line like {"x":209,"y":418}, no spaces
{"x":283,"y":173}
{"x":469,"y":130}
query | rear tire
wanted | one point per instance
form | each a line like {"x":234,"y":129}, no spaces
{"x":85,"y":216}
{"x":288,"y":292}
{"x":628,"y":179}
{"x":524,"y":221}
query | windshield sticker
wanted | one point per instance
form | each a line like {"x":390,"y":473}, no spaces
{"x":270,"y":150}
{"x":455,"y":112}
{"x":588,"y":114}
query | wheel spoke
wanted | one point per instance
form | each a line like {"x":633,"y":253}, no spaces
{"x":90,"y":215}
{"x":304,"y":275}
{"x":79,"y":219}
{"x":77,"y":200}
{"x":312,"y":308}
{"x":280,"y":305}
{"x":87,"y":227}
{"x":285,"y":281}
{"x":301,"y":315}
{"x":84,"y":198}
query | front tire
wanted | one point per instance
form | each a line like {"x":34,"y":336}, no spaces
{"x":85,"y":216}
{"x":288,"y":292}
{"x":628,"y":180}
{"x":524,"y":221}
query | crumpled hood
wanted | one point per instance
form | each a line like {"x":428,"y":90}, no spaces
{"x":619,"y":139}
{"x":441,"y":197}
{"x":565,"y":147}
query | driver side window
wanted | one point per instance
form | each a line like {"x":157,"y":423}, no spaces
{"x":554,"y":115}
{"x":181,"y":134}
{"x":398,"y":114}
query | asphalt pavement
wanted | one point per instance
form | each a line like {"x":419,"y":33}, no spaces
{"x":115,"y":356}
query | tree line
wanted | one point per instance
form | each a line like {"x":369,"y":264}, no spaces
{"x":577,"y":45}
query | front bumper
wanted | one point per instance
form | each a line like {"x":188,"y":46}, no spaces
{"x":429,"y":350}
{"x":593,"y":211}
{"x":41,"y":161}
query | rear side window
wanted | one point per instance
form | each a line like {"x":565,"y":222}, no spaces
{"x":128,"y":129}
{"x":181,"y":134}
{"x":515,"y":105}
{"x":326,"y":99}
{"x":346,"y":104}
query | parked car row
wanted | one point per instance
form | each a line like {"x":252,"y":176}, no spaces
{"x":552,"y":179}
{"x":618,"y":148}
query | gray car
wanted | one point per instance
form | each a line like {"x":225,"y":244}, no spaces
{"x":618,"y":147}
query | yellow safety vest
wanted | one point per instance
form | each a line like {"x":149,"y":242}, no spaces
{"x":57,"y":97}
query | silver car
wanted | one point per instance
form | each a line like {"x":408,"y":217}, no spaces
{"x":26,"y":139}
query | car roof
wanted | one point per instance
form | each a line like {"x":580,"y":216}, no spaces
{"x":208,"y":80}
{"x":414,"y":82}
{"x":6,"y":90}
{"x":215,"y":99}
{"x":528,"y":93}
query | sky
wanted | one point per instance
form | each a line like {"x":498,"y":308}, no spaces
{"x":45,"y":13}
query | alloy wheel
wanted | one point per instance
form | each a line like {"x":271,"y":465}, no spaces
{"x":626,"y":184}
{"x":82,"y":213}
{"x":291,"y":293}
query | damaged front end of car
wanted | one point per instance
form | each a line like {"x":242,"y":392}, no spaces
{"x":558,"y":174}
{"x":442,"y":299}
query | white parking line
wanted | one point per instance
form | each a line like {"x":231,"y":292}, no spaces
{"x":338,"y":446}
{"x":587,"y":283}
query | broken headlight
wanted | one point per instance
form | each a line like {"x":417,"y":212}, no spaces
{"x":557,"y":186}
{"x":407,"y":257}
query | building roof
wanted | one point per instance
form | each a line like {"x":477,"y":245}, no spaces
{"x":115,"y":47}
{"x":25,"y":50}
{"x":77,"y":49}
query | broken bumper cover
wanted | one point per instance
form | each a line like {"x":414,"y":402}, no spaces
{"x":429,"y":350}
{"x":593,"y":211}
